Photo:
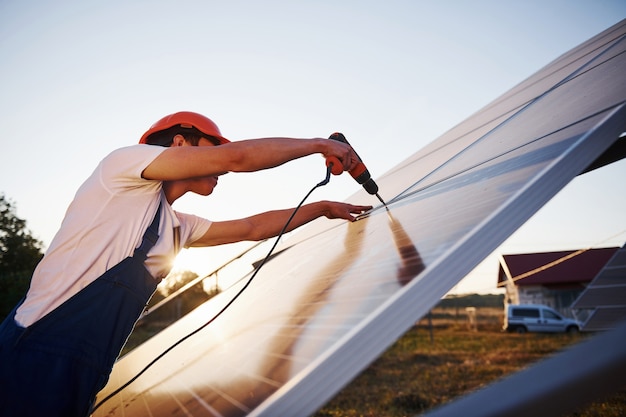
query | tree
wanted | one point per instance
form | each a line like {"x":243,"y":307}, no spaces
{"x":182,"y":304}
{"x":19,"y":254}
{"x":175,"y":280}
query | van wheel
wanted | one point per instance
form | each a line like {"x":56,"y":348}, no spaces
{"x":573,"y":329}
{"x":520,"y":330}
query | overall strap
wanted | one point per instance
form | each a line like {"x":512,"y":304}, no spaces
{"x":150,"y":237}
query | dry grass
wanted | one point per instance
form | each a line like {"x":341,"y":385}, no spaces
{"x":423,"y":369}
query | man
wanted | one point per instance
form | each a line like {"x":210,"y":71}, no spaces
{"x":117,"y":240}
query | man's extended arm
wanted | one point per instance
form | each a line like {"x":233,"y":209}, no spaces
{"x":269,"y":224}
{"x":183,"y":162}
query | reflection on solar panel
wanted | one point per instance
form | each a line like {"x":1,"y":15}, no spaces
{"x":320,"y":312}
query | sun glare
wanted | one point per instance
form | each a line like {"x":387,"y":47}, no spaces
{"x":199,"y":261}
{"x":205,"y":261}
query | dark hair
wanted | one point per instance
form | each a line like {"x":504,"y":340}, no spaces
{"x":191,"y":135}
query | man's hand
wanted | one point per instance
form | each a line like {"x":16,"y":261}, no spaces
{"x":337,"y":210}
{"x":342,"y":152}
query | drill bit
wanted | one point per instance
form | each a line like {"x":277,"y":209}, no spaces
{"x":381,"y":200}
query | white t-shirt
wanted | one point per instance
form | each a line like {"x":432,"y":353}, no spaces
{"x":103,"y":225}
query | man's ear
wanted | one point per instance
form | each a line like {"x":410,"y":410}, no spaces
{"x":178,"y":140}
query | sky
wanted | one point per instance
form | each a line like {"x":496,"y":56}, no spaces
{"x":81,"y":78}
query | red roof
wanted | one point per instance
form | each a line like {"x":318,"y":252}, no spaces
{"x":568,"y":267}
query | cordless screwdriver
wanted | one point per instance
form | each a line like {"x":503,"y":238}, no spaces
{"x":360,"y":173}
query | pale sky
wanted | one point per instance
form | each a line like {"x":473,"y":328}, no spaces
{"x":81,"y":78}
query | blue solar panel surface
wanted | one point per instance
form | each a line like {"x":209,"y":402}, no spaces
{"x":339,"y":294}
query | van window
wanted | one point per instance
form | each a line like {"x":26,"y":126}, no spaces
{"x":550,"y":315}
{"x":525,"y":312}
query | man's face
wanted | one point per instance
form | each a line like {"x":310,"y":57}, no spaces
{"x":201,"y":185}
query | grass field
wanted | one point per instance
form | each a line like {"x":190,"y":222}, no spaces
{"x":428,"y":368}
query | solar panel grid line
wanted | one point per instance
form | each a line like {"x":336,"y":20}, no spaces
{"x":429,"y":154}
{"x":503,"y":161}
{"x":605,"y":319}
{"x":473,"y":140}
{"x":608,"y":36}
{"x":538,"y":135}
{"x":246,"y":401}
{"x":447,"y":179}
{"x":610,"y":296}
{"x":555,"y":69}
{"x":615,"y":312}
{"x":193,"y":401}
{"x":456,"y":171}
{"x":516,"y":115}
{"x":180,"y":405}
{"x":612,"y":275}
{"x":608,"y":286}
{"x":146,"y":407}
{"x":527,"y":85}
{"x":176,"y":388}
{"x":147,"y":404}
{"x":612,"y":306}
{"x":213,"y":412}
{"x":220,"y":393}
{"x":283,"y":356}
{"x":591,"y":48}
{"x":599,"y":138}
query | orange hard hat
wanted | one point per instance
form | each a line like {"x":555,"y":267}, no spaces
{"x":186,"y":119}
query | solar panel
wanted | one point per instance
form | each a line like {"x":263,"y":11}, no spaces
{"x":339,"y":294}
{"x":602,"y":305}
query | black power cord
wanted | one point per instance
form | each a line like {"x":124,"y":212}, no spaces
{"x":169,"y":349}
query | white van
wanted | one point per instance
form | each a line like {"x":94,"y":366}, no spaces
{"x":522,"y":318}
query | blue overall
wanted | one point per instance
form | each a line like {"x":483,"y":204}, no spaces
{"x":56,"y":366}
